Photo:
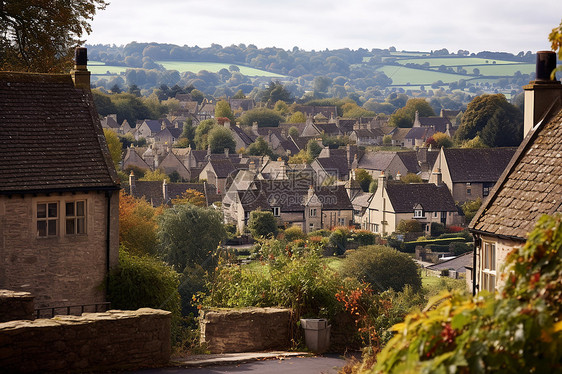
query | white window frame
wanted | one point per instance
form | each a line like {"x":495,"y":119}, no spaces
{"x":313,"y":212}
{"x":418,"y":213}
{"x":488,"y":263}
{"x":341,"y":221}
{"x":276,"y":211}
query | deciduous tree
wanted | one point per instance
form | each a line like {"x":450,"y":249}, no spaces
{"x":39,"y":35}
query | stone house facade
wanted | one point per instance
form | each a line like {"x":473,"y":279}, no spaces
{"x":59,"y":192}
{"x":530,"y":185}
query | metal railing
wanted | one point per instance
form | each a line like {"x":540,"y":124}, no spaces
{"x":71,"y":309}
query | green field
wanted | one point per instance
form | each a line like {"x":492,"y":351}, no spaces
{"x":503,"y":70}
{"x":454,"y":61}
{"x":99,"y":68}
{"x":402,"y":76}
{"x":213,"y":67}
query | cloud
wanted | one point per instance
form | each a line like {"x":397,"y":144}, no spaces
{"x":311,"y":24}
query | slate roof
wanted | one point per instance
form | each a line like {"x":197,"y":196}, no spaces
{"x":530,"y":186}
{"x":438,"y":123}
{"x":154,"y":125}
{"x":458,"y":264}
{"x":245,"y":137}
{"x":51,"y":137}
{"x":328,"y":128}
{"x":419,"y":133}
{"x":410,"y":160}
{"x":333,"y":198}
{"x":376,"y":160}
{"x":400,"y":133}
{"x":431,"y":197}
{"x":477,"y":165}
{"x":222,"y":167}
{"x":153,"y":192}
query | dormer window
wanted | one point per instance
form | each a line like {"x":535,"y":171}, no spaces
{"x":277,"y":211}
{"x":418,"y":213}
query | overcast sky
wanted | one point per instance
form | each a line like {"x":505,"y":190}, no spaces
{"x":474,"y":25}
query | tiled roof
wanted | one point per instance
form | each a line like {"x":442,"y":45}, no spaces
{"x":376,"y":160}
{"x":153,"y":191}
{"x":50,"y":135}
{"x":439,"y":123}
{"x":400,"y":133}
{"x":333,"y":198}
{"x":242,"y":135}
{"x":458,"y":264}
{"x":154,"y":125}
{"x":328,"y":128}
{"x":223,"y":167}
{"x":431,"y":197}
{"x":477,"y":165}
{"x":419,"y":133}
{"x":410,"y":160}
{"x":530,"y":187}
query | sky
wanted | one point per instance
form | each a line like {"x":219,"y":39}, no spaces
{"x":412,"y":25}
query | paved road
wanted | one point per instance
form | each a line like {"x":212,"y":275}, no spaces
{"x":296,"y":365}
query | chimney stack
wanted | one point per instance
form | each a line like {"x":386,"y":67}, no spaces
{"x":80,"y":74}
{"x":541,"y":93}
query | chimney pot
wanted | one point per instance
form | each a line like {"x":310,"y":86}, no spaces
{"x":81,"y":56}
{"x":546,"y":63}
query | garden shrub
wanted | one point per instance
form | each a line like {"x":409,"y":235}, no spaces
{"x":364,"y":237}
{"x":516,"y":331}
{"x":294,"y":233}
{"x":437,"y":229}
{"x":338,"y":240}
{"x":382,"y":267}
{"x":262,"y":224}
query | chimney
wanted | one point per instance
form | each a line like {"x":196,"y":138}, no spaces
{"x":226,"y":150}
{"x":80,"y":74}
{"x":437,"y":177}
{"x":541,"y":93}
{"x":227,"y":124}
{"x":310,"y":192}
{"x":417,"y":119}
{"x":252,"y":166}
{"x":132,"y":184}
{"x":165,"y":194}
{"x":381,"y":182}
{"x":398,"y":176}
{"x":255,"y":128}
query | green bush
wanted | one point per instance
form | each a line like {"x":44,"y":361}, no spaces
{"x":141,"y":282}
{"x":383,"y":267}
{"x":294,"y":233}
{"x":262,"y":224}
{"x":437,"y":229}
{"x":411,"y":246}
{"x":338,"y":240}
{"x":323,"y":232}
{"x":364,"y":237}
{"x":460,"y":248}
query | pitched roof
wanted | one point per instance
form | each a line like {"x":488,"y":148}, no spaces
{"x":410,"y":160}
{"x":477,"y":165}
{"x":222,"y":167}
{"x":242,"y":135}
{"x":438,"y":123}
{"x":333,"y":198}
{"x":376,"y":160}
{"x":51,"y":136}
{"x":421,"y":133}
{"x":530,"y":186}
{"x":154,"y":125}
{"x":400,"y":133}
{"x":431,"y":197}
{"x":458,"y":264}
{"x":153,"y":191}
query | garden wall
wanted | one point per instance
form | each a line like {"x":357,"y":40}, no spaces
{"x":92,"y":342}
{"x":246,"y":330}
{"x":15,"y":305}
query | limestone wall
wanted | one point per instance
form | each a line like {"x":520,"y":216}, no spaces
{"x":93,"y":342}
{"x":245,"y":330}
{"x":15,"y":305}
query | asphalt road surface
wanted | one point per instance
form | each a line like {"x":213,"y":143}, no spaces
{"x":296,"y":365}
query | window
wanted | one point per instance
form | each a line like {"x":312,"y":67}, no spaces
{"x":375,"y":228}
{"x":276,"y":211}
{"x":418,"y":213}
{"x":486,"y":187}
{"x":341,"y":221}
{"x":47,"y":219}
{"x":435,"y":214}
{"x":489,"y":267}
{"x":310,"y":227}
{"x":75,"y":217}
{"x":468,"y":189}
{"x":313,"y":212}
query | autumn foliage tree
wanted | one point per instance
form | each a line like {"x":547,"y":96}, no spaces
{"x":39,"y":36}
{"x":137,"y":225}
{"x":191,"y":196}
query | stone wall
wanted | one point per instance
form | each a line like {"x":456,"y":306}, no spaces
{"x":15,"y":305}
{"x":58,"y":270}
{"x":246,"y":330}
{"x":93,"y":342}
